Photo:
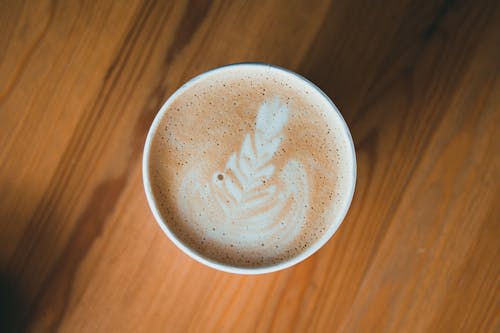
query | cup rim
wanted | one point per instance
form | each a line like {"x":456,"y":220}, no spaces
{"x":210,"y":262}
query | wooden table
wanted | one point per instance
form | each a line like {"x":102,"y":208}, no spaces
{"x":417,"y":81}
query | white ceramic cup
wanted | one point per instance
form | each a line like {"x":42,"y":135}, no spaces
{"x":221,"y":266}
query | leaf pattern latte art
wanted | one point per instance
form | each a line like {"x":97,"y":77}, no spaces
{"x":249,"y":203}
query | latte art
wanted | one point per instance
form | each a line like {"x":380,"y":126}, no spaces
{"x":249,"y":202}
{"x":249,"y":166}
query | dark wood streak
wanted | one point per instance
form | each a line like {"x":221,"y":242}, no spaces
{"x":203,"y":40}
{"x":436,"y":22}
{"x":195,"y":13}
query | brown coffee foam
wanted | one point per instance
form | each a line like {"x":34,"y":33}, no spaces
{"x":207,"y":122}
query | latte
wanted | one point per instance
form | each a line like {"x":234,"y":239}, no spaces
{"x":250,"y":165}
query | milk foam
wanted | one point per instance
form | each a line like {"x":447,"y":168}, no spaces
{"x":251,"y":166}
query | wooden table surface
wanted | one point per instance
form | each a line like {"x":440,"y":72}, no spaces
{"x":417,"y":81}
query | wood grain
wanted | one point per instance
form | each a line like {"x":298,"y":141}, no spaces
{"x":417,"y":81}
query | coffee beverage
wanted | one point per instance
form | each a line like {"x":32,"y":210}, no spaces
{"x":250,"y":165}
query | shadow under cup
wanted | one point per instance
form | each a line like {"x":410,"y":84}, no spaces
{"x":183,"y":239}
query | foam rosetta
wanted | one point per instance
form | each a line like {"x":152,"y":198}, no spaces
{"x":248,"y":205}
